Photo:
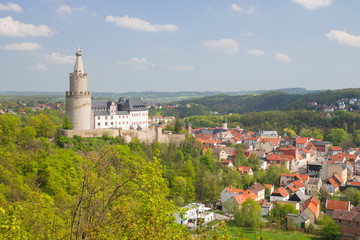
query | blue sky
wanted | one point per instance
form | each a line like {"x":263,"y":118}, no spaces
{"x":201,"y":45}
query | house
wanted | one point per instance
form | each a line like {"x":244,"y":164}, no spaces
{"x":355,"y":185}
{"x":259,"y":190}
{"x":331,"y":185}
{"x":157,"y":119}
{"x":219,"y":153}
{"x":312,"y":209}
{"x":287,"y":178}
{"x":251,"y":141}
{"x":328,"y":170}
{"x":348,"y":222}
{"x":314,"y":186}
{"x":169,"y":119}
{"x":239,"y":199}
{"x":279,"y":194}
{"x":227,"y":163}
{"x":193,"y":213}
{"x":245,"y":170}
{"x":321,"y":147}
{"x":278,"y":159}
{"x":298,"y":196}
{"x":299,"y":185}
{"x":301,"y":142}
{"x":267,"y":134}
{"x":334,"y":150}
{"x":229,"y":192}
{"x":357,"y":167}
{"x":314,"y":169}
{"x":332,"y":205}
{"x":300,"y":220}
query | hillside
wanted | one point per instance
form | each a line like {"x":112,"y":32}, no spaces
{"x":272,"y":101}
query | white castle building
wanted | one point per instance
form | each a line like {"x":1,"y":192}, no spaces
{"x":86,"y":114}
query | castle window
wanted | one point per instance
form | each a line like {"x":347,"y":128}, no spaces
{"x":98,"y":117}
{"x":105,"y":117}
{"x":106,"y":124}
{"x":98,"y":124}
{"x":111,"y":117}
{"x":112,"y":123}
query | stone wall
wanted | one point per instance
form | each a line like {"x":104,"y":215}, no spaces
{"x":144,"y":136}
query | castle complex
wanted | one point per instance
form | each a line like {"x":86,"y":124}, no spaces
{"x":127,"y":118}
{"x":85,"y":114}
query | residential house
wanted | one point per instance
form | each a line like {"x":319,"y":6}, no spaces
{"x":357,"y":167}
{"x":349,"y":223}
{"x":328,"y":170}
{"x":331,"y":185}
{"x":287,"y":178}
{"x":314,"y":186}
{"x":251,"y":141}
{"x":332,"y":205}
{"x":312,"y":209}
{"x":259,"y":190}
{"x":298,"y":197}
{"x":334,"y":150}
{"x":227,"y":163}
{"x":229,"y":192}
{"x":245,"y":170}
{"x":157,"y":119}
{"x":278,"y":159}
{"x":301,"y":142}
{"x":219,"y":153}
{"x":321,"y":147}
{"x":299,"y":185}
{"x":192,"y":215}
{"x":314,"y":169}
{"x":301,"y":220}
{"x":267,"y":134}
{"x":279,"y":194}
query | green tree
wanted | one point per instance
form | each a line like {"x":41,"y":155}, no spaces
{"x":337,"y":136}
{"x":43,"y":125}
{"x":8,"y":128}
{"x":249,"y":214}
{"x":329,"y":229}
{"x":352,"y":195}
{"x":66,"y":124}
{"x":177,"y":127}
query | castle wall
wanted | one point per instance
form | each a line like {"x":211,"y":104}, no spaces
{"x":90,"y":132}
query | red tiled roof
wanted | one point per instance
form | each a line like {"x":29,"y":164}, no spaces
{"x":336,"y":204}
{"x":293,"y":189}
{"x":355,"y":183}
{"x":230,"y":189}
{"x":336,"y":148}
{"x":302,"y":140}
{"x":268,"y":185}
{"x":298,"y":184}
{"x":244,"y":169}
{"x":338,"y":177}
{"x":239,"y":199}
{"x":332,"y":181}
{"x":304,"y":177}
{"x":282,"y":191}
{"x":249,"y":194}
{"x":313,"y":208}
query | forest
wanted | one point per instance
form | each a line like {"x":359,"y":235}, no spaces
{"x":54,"y":187}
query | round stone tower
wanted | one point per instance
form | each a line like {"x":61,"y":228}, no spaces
{"x":78,"y":99}
{"x":224,"y":124}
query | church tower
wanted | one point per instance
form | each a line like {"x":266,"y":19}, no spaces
{"x":78,"y":99}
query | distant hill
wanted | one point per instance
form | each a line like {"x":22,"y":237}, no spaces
{"x":159,"y":97}
{"x":268,"y":101}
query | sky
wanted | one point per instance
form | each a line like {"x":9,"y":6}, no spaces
{"x":180,"y":45}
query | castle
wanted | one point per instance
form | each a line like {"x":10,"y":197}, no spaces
{"x":127,"y":118}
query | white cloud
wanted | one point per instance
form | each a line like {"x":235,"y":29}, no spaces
{"x":10,"y":27}
{"x":248,"y":34}
{"x":282,"y":57}
{"x":223,"y":45}
{"x":10,"y":7}
{"x":61,"y":58}
{"x":256,"y":52}
{"x":313,"y":4}
{"x":38,"y":67}
{"x":137,"y":60}
{"x":182,"y":68}
{"x":344,"y":38}
{"x":237,"y":8}
{"x":64,"y":9}
{"x":139,"y":24}
{"x":24,"y":46}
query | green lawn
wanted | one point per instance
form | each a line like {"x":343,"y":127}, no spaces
{"x":268,"y":234}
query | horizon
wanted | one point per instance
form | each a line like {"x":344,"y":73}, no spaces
{"x":207,"y":46}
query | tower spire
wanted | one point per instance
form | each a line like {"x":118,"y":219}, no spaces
{"x":78,"y":63}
